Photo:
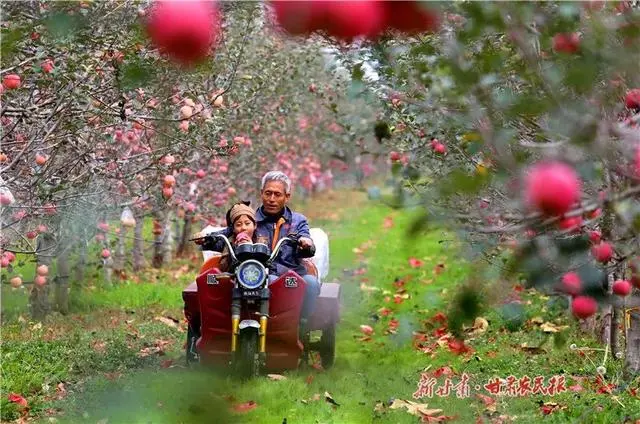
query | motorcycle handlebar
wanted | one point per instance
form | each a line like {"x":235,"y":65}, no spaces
{"x":292,"y":238}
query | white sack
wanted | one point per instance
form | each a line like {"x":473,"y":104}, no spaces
{"x":321,"y":258}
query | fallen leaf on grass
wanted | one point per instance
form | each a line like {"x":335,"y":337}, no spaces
{"x":388,"y":222}
{"x":61,"y":391}
{"x":329,"y":398}
{"x":489,"y":402}
{"x":16,"y":398}
{"x":366,"y":330}
{"x":437,"y":270}
{"x":550,"y":407}
{"x":244,"y":407}
{"x":166,"y":363}
{"x":112,"y":376}
{"x":548,"y":327}
{"x":313,"y":398}
{"x":536,"y":320}
{"x":365,"y":287}
{"x":171,"y":322}
{"x":414,"y":408}
{"x":480,"y":325}
{"x":276,"y":377}
{"x":534,"y":350}
{"x":415,"y":263}
{"x":309,"y":379}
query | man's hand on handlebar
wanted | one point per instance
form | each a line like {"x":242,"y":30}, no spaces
{"x":305,"y":243}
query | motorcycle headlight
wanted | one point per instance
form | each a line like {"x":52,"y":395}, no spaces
{"x":251,"y":274}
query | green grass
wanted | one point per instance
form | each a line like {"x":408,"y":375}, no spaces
{"x":367,"y":373}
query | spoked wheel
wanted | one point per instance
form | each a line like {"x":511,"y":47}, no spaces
{"x":327,"y":347}
{"x":248,"y":361}
{"x":191,"y":352}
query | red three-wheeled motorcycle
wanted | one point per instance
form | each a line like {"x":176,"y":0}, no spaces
{"x":239,"y":321}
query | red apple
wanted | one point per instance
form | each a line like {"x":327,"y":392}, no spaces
{"x":566,"y":42}
{"x":572,"y":223}
{"x":41,"y":159}
{"x":632,"y":99}
{"x":621,"y":288}
{"x":584,"y":306}
{"x":186,"y":112}
{"x":602,"y":252}
{"x":41,"y":228}
{"x":40,"y":280}
{"x":571,"y":283}
{"x":4,"y":262}
{"x":185,"y":31}
{"x":105,"y":253}
{"x":169,"y":181}
{"x":395,"y":156}
{"x":11,"y":81}
{"x":595,"y":236}
{"x":103,"y":226}
{"x":167,"y":192}
{"x":201,"y":173}
{"x":47,"y":66}
{"x":42,"y":270}
{"x":552,"y":187}
{"x":349,"y":19}
{"x":440,"y":148}
{"x":411,"y":17}
{"x":16,"y":282}
{"x":31,"y":234}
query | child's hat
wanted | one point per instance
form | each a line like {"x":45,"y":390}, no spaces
{"x":242,"y":209}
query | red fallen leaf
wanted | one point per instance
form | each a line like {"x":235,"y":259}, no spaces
{"x":458,"y":347}
{"x":166,"y":363}
{"x":518,"y":288}
{"x":309,"y":379}
{"x":16,"y":398}
{"x":61,"y":391}
{"x":397,"y":299}
{"x":367,"y":330}
{"x":438,"y":419}
{"x":384,"y":311}
{"x":393,"y":324}
{"x":244,"y":407}
{"x":415,"y":263}
{"x":443,"y":371}
{"x":439,"y":332}
{"x":487,"y":400}
{"x":440,"y":317}
{"x":388,"y":222}
{"x":437,"y":270}
{"x":360,"y":271}
{"x":112,"y":376}
{"x":398,"y":283}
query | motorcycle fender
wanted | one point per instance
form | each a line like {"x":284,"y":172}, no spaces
{"x":246,"y":323}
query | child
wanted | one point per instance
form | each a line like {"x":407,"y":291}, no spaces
{"x":241,"y":219}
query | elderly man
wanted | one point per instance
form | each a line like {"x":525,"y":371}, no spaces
{"x":274,"y":221}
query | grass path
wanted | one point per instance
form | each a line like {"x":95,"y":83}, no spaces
{"x":120,"y":361}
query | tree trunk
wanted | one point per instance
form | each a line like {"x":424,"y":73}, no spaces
{"x":632,"y":359}
{"x":167,"y":244}
{"x":616,"y":351}
{"x":39,"y":298}
{"x":119,"y":254}
{"x":62,"y":280}
{"x":138,"y":245}
{"x":158,"y":258}
{"x":82,"y":259}
{"x":184,"y":247}
{"x":108,"y":272}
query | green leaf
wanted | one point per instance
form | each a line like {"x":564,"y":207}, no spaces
{"x":459,"y":181}
{"x":357,"y":73}
{"x":62,"y":25}
{"x":9,"y":39}
{"x":136,"y":74}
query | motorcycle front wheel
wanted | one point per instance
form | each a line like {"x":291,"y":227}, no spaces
{"x":247,"y":359}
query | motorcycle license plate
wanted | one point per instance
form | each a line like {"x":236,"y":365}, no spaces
{"x":251,"y":293}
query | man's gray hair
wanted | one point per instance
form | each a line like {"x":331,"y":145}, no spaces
{"x":277,"y":176}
